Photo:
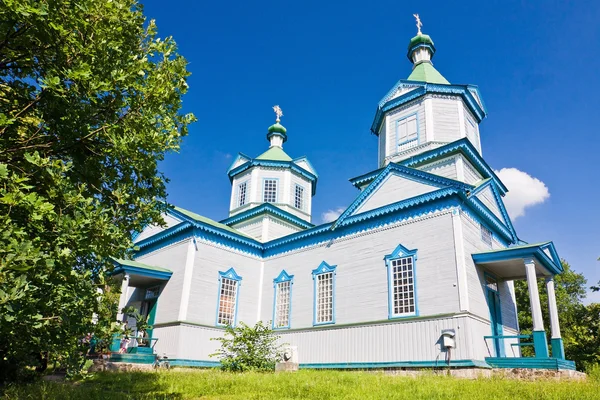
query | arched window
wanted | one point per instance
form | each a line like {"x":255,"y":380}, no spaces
{"x":402,"y":283}
{"x":229,"y":288}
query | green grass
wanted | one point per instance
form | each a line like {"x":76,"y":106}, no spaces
{"x":196,"y":384}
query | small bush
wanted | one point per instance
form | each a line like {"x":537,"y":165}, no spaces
{"x":245,"y":348}
{"x":593,"y":372}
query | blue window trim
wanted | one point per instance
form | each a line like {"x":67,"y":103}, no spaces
{"x":502,"y":350}
{"x":303,"y":200}
{"x":324,"y":268}
{"x":401,"y":252}
{"x":398,"y":142}
{"x":229,"y":274}
{"x":237,"y":193}
{"x":282,"y":277}
{"x":276,"y":190}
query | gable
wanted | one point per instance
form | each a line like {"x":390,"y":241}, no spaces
{"x":394,"y":188}
{"x":488,"y":199}
{"x":152,"y":230}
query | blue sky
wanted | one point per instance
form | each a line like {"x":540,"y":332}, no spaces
{"x":327,"y":64}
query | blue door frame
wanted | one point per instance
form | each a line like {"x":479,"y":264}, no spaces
{"x":493,"y":300}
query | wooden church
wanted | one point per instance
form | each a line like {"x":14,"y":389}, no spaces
{"x":417,"y":272}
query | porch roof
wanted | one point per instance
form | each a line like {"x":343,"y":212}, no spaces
{"x":137,"y":269}
{"x":508,"y":263}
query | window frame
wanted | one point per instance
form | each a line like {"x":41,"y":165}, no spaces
{"x":296,"y":187}
{"x":323,"y":269}
{"x":482,"y":229}
{"x":399,"y":253}
{"x":230,"y":274}
{"x":400,"y":120}
{"x":283,"y":277}
{"x":246,"y":183}
{"x":264,"y":182}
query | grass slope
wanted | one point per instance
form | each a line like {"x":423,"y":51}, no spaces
{"x":197,"y":384}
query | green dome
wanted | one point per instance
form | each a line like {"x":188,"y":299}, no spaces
{"x":277,"y":128}
{"x":420,"y":39}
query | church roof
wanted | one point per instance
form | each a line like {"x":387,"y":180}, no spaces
{"x":426,"y":72}
{"x":274,"y":153}
{"x":131,"y":263}
{"x":208,"y":221}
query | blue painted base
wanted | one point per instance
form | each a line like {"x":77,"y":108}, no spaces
{"x":540,"y":344}
{"x":132,"y":358}
{"x":558,"y":348}
{"x":398,"y":364}
{"x":530,"y":362}
{"x":140,"y":350}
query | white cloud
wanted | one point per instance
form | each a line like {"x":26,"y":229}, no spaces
{"x":524,"y":191}
{"x":332,"y":215}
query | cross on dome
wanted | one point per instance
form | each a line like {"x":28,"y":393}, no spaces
{"x":278,"y":112}
{"x":419,"y":23}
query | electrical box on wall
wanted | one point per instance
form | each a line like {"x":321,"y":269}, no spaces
{"x":448,"y":338}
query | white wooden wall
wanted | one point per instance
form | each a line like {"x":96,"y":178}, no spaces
{"x":446,"y":119}
{"x":487,"y":197}
{"x":445,"y":167}
{"x":154,"y":229}
{"x":398,"y":114}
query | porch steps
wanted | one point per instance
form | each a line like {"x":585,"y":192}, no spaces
{"x":531,"y":362}
{"x":140,"y":350}
{"x":135,"y":358}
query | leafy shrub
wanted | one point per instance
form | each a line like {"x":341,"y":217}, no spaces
{"x":245,"y":348}
{"x":593,"y":372}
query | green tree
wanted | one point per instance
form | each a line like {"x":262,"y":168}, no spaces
{"x":579,"y":324}
{"x":90,"y":101}
{"x":246,"y":348}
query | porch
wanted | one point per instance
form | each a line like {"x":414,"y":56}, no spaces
{"x":141,"y":285}
{"x":526,"y":262}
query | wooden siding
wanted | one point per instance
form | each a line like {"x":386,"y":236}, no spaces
{"x":172,"y":257}
{"x":394,"y":188}
{"x":381,"y":146}
{"x":154,"y":229}
{"x":445,"y":167}
{"x":445,"y":119}
{"x":208,"y":262}
{"x":470,"y":173}
{"x":398,"y":114}
{"x":278,"y":228}
{"x":361,"y":275}
{"x":474,"y":136}
{"x":250,"y":194}
{"x":298,"y":180}
{"x":487,"y":197}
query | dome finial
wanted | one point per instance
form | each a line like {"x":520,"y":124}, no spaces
{"x":419,"y":24}
{"x":278,"y":112}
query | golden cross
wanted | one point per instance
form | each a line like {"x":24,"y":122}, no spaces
{"x":419,"y":23}
{"x":278,"y":112}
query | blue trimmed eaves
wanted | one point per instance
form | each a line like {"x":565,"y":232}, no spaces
{"x":267,"y":208}
{"x":283,"y":277}
{"x":531,"y":251}
{"x":149,"y":273}
{"x":497,"y":197}
{"x":240,"y":156}
{"x":406,"y":172}
{"x":275,"y":164}
{"x":427,"y":88}
{"x":484,"y":213}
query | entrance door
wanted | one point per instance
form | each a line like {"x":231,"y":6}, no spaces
{"x":493,"y":299}
{"x":149,"y":310}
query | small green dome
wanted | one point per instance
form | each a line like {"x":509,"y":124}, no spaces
{"x":419,"y":40}
{"x":277,"y":128}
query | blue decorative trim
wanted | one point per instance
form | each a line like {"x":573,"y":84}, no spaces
{"x":530,"y":362}
{"x":553,"y":253}
{"x":281,"y":135}
{"x":498,"y":345}
{"x":490,"y":218}
{"x":127,"y":269}
{"x":267,"y":208}
{"x":397,"y":364}
{"x":240,"y":156}
{"x":498,"y":198}
{"x":277,"y":187}
{"x":532,"y":251}
{"x":540,"y":344}
{"x":417,"y":46}
{"x":305,"y":159}
{"x":401,"y":252}
{"x":423,"y":89}
{"x":409,"y":173}
{"x":229,"y":274}
{"x":179,"y":362}
{"x":275,"y":164}
{"x":323,"y":268}
{"x":475,"y":88}
{"x":282,"y":277}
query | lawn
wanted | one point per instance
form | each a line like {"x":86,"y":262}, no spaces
{"x":196,"y":384}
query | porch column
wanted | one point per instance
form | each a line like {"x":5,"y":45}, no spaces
{"x":123,"y":298}
{"x":558,"y":350}
{"x":540,"y":344}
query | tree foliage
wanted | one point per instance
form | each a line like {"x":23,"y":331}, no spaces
{"x":245,"y":348}
{"x":89,"y":104}
{"x":579,"y":323}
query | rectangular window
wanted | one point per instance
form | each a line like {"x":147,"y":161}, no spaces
{"x":403,"y":286}
{"x":486,"y":235}
{"x":242,"y":193}
{"x":270,"y":190}
{"x":406,"y":129}
{"x":282,"y":304}
{"x":227,"y":302}
{"x":324,"y":306}
{"x":299,"y":197}
{"x":152,"y":292}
